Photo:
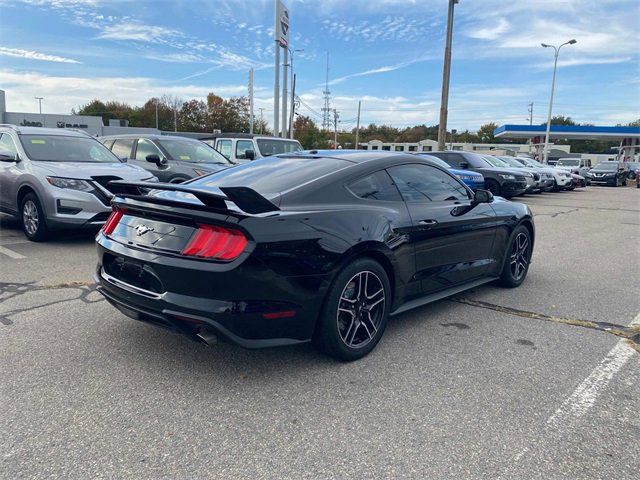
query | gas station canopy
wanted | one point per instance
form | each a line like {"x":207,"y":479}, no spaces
{"x":629,"y":137}
{"x":574,"y":132}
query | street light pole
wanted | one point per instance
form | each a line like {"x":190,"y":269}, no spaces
{"x":446,"y":70}
{"x":545,"y":159}
{"x":291,"y":117}
{"x":39,"y":103}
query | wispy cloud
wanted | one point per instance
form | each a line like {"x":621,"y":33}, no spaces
{"x":137,"y":32}
{"x":33,"y":55}
{"x":383,"y":69}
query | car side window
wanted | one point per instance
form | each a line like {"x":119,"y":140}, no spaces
{"x":224,"y":147}
{"x":108,"y":143}
{"x":241,"y":147}
{"x":377,"y":186}
{"x":146,"y":147}
{"x":122,"y":147}
{"x":423,"y":183}
{"x":7,"y":145}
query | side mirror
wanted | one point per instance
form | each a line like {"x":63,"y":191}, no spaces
{"x":9,"y":157}
{"x":464,"y":165}
{"x":249,"y":154}
{"x":155,"y":158}
{"x":123,"y":159}
{"x":483,"y":196}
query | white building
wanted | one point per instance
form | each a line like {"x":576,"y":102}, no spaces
{"x":93,"y":125}
{"x":432,"y":145}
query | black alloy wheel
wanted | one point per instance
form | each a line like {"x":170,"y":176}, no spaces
{"x":518,"y":258}
{"x":355,"y":313}
{"x":492,"y":186}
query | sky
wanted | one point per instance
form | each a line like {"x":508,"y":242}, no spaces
{"x":386,"y":53}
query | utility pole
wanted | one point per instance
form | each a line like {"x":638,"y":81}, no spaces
{"x":261,"y":119}
{"x":39,"y":103}
{"x":446,"y":71}
{"x":157,"y":113}
{"x":285,"y":65}
{"x":335,"y":129}
{"x":293,"y":104}
{"x":358,"y":125}
{"x":531,"y":113}
{"x":175,"y":120}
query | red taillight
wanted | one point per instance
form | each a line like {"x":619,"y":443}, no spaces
{"x":216,"y":242}
{"x":113,"y":220}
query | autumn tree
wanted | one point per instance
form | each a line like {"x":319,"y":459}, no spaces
{"x":307,"y":133}
{"x":230,"y":115}
{"x":194,"y":117}
{"x":485,"y":133}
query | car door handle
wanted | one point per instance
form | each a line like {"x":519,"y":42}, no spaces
{"x":428,"y":222}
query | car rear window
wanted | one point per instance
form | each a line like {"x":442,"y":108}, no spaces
{"x":273,"y":175}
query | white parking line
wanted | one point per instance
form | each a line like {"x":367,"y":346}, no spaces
{"x":10,"y":253}
{"x":585,"y":395}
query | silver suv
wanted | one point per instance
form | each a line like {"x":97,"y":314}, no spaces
{"x":53,"y":178}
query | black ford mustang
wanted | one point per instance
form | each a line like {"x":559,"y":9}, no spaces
{"x":301,"y":247}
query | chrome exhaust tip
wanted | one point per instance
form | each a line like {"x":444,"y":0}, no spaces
{"x":206,"y":337}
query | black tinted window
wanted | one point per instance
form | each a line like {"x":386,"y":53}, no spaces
{"x":420,"y":183}
{"x":122,"y":147}
{"x":273,"y":174}
{"x":377,"y":186}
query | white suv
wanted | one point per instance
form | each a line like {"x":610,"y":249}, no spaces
{"x":244,"y":147}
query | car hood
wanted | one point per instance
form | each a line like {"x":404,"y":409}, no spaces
{"x":469,"y":173}
{"x":601,"y":170}
{"x":498,"y":170}
{"x":568,"y":167}
{"x":86,"y":170}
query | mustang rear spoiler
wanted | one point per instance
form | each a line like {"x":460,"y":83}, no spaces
{"x":246,"y":199}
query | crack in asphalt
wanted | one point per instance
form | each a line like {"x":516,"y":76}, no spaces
{"x":554,"y":215}
{"x":631,"y":334}
{"x":14,"y":289}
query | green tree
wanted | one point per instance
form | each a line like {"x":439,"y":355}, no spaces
{"x":485,"y":133}
{"x":307,"y":133}
{"x":193,"y":116}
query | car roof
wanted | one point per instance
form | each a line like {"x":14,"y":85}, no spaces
{"x":355,"y":156}
{"x":244,"y":135}
{"x":61,"y":132}
{"x":151,"y":136}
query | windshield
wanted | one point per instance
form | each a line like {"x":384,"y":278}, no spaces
{"x":607,"y":166}
{"x":495,"y":161}
{"x":512,"y":162}
{"x":531,"y":161}
{"x":270,"y":147}
{"x":567,"y":162}
{"x":193,"y":151}
{"x":59,"y":148}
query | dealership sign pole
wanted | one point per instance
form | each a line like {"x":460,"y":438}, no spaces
{"x":251,"y":100}
{"x":281,"y":32}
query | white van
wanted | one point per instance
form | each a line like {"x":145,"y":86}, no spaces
{"x":244,"y":147}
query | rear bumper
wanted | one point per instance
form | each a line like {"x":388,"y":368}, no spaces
{"x":239,"y":314}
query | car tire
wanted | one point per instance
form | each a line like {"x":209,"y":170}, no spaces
{"x":32,"y":218}
{"x":624,"y":182}
{"x":556,"y":187}
{"x":493,"y":187}
{"x":355,"y":311}
{"x":517,"y":258}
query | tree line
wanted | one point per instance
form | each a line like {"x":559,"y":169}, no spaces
{"x":232,"y":115}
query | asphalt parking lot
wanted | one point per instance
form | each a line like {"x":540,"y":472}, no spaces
{"x":536,"y":382}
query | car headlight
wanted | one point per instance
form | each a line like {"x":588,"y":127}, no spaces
{"x":71,"y":183}
{"x":507,"y":176}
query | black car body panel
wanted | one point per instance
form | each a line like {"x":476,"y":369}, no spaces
{"x":273,"y":292}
